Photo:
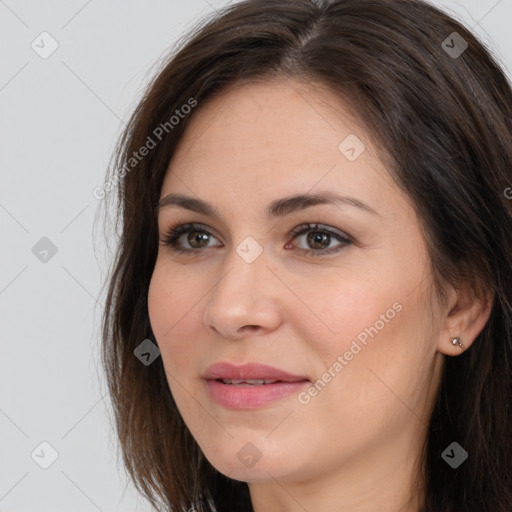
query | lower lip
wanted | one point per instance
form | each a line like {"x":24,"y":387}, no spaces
{"x":254,"y":396}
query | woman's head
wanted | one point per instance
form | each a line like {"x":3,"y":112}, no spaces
{"x":359,"y":298}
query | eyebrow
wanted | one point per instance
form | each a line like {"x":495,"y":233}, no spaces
{"x":277,"y":208}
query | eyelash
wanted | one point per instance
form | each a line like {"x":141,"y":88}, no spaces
{"x":172,"y":236}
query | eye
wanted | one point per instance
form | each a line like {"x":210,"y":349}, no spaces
{"x":197,"y":237}
{"x":319,"y":237}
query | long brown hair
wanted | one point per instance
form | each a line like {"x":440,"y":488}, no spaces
{"x":441,"y":113}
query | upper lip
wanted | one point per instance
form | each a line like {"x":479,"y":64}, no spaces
{"x":250,"y":371}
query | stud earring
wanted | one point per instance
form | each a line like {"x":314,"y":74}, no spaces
{"x":457,"y":341}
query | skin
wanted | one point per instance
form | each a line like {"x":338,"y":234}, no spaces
{"x":355,"y":445}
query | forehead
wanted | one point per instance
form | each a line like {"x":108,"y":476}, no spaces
{"x":280,"y":137}
{"x":273,"y":116}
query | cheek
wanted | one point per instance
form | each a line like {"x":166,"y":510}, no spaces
{"x":174,"y":312}
{"x":160,"y":303}
{"x":332,"y":316}
{"x":385,"y":365}
{"x":380,"y":332}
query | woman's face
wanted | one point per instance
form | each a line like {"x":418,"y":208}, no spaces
{"x":349,"y":320}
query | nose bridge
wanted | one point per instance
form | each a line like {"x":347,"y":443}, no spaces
{"x":245,"y":268}
{"x":243,"y":294}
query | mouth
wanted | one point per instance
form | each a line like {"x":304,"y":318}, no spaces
{"x":247,"y":382}
{"x":250,"y":373}
{"x":250,"y":386}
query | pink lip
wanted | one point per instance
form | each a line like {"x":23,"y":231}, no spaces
{"x":250,"y":371}
{"x":253,"y":396}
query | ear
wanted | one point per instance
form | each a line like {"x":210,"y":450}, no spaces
{"x":464,"y":317}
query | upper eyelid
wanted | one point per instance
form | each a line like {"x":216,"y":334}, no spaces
{"x":319,"y":226}
{"x":297,"y":231}
{"x":304,"y":225}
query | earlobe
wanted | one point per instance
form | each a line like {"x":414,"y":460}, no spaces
{"x":464,"y":321}
{"x":457,"y":341}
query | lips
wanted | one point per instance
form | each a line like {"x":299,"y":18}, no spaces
{"x":250,"y":386}
{"x":250,"y":374}
{"x":249,"y":382}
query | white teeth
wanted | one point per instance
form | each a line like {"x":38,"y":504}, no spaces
{"x":250,"y":382}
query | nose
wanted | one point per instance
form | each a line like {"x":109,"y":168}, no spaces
{"x":244,"y":301}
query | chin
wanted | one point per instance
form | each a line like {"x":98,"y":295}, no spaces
{"x":260,"y":472}
{"x":249,"y":464}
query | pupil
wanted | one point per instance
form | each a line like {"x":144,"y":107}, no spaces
{"x":317,"y":238}
{"x":198,"y":237}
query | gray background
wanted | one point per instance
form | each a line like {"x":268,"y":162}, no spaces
{"x":59,"y":119}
